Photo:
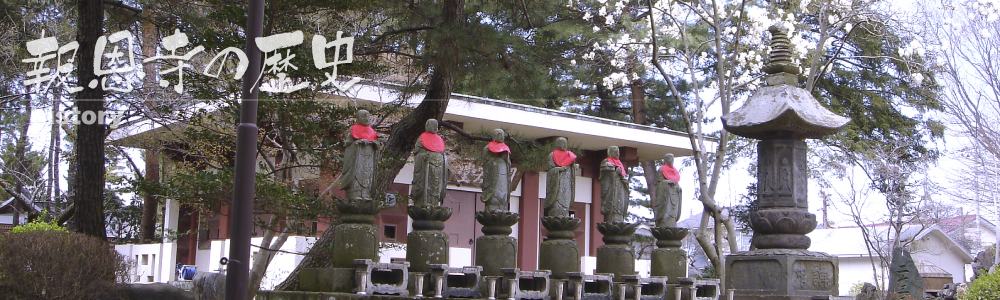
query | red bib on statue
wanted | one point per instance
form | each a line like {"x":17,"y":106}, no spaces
{"x":432,"y":141}
{"x":563,"y":158}
{"x":670,"y":173}
{"x":618,"y":163}
{"x":363,"y":132}
{"x":498,"y":147}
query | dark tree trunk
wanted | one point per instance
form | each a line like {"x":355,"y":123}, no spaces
{"x":638,"y":102}
{"x":52,"y":190}
{"x":639,"y":117}
{"x":150,"y":205}
{"x":404,"y":133}
{"x":20,"y":150}
{"x":89,"y":198}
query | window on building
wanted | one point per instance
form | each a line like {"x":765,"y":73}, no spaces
{"x":389,"y":232}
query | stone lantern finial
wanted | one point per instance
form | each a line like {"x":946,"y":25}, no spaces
{"x":780,"y":68}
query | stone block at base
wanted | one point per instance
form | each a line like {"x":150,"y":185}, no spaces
{"x":495,"y":252}
{"x":781,"y":274}
{"x":462,"y":282}
{"x":670,"y":262}
{"x":354,"y":241}
{"x":339,"y":280}
{"x":591,"y":287}
{"x":560,"y":257}
{"x":616,"y":259}
{"x":426,"y":247}
{"x":381,"y":278}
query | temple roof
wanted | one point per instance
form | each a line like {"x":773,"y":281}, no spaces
{"x":483,"y":114}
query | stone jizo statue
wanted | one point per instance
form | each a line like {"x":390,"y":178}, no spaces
{"x":667,"y":205}
{"x":430,"y":168}
{"x":496,"y":174}
{"x":360,"y":158}
{"x":560,"y":180}
{"x":614,"y":188}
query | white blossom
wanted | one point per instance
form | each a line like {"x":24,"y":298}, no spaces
{"x":917,"y":78}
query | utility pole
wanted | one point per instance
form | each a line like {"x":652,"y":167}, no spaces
{"x":238,"y":272}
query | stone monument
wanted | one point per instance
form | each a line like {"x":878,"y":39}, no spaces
{"x":360,"y":157}
{"x":868,"y":292}
{"x":616,"y":256}
{"x":427,"y":245}
{"x":905,"y":282}
{"x":356,"y":237}
{"x":983,"y":263}
{"x":782,"y":116}
{"x":560,"y":253}
{"x":668,"y":259}
{"x":496,"y":249}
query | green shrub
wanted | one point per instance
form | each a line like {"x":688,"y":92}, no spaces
{"x":986,"y":287}
{"x":54,"y":264}
{"x":38,"y":225}
{"x":856,"y":288}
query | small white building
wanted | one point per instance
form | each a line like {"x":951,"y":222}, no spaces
{"x":930,"y":247}
{"x":973,"y":231}
{"x":15,"y":212}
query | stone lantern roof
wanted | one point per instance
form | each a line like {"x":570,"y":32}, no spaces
{"x":781,"y":109}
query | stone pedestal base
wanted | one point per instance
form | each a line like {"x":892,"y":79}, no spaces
{"x":354,"y":241}
{"x":356,"y":237}
{"x":426,"y":247}
{"x":669,"y":262}
{"x":427,"y":244}
{"x":337,"y":280}
{"x":781,"y":274}
{"x":617,"y":256}
{"x":495,"y":252}
{"x":560,"y":257}
{"x":616,"y":259}
{"x":560,"y":253}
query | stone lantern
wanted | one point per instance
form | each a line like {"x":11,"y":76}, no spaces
{"x":781,"y":115}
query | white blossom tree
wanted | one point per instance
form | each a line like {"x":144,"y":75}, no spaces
{"x":961,"y":39}
{"x":708,"y":55}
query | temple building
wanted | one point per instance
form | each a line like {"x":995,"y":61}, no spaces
{"x":591,"y":135}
